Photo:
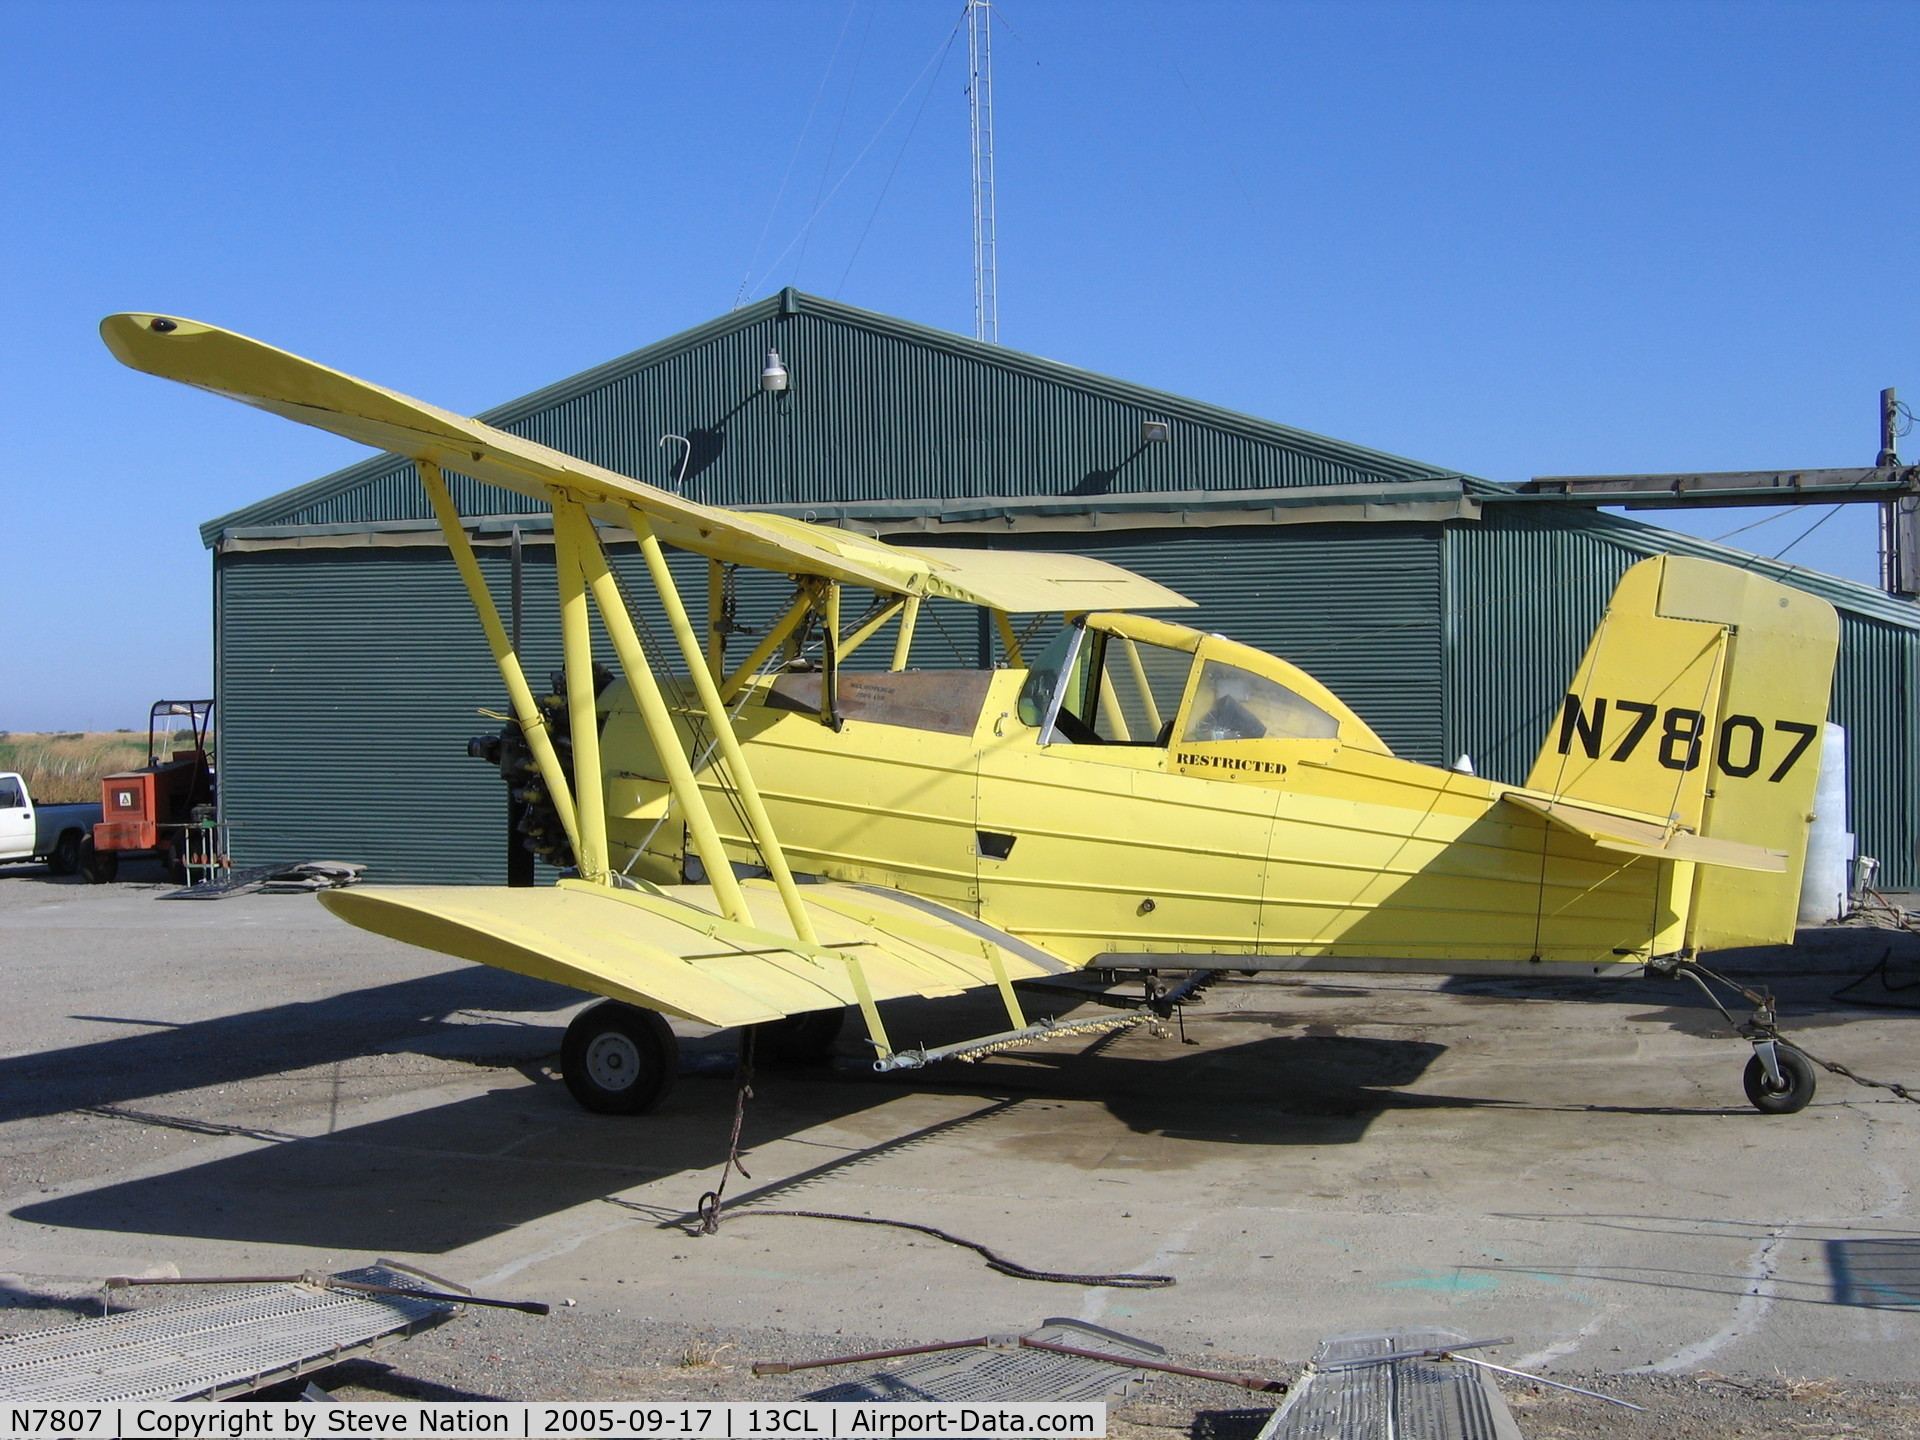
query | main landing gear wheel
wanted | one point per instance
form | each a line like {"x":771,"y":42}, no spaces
{"x":1788,"y":1098}
{"x":799,"y":1039}
{"x":619,"y":1059}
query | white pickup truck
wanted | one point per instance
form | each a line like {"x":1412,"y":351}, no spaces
{"x":54,"y":833}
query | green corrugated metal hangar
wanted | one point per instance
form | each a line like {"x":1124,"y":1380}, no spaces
{"x":1448,"y":610}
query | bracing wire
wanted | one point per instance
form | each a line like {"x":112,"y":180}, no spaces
{"x":1806,"y":532}
{"x":905,"y":144}
{"x":806,"y":127}
{"x":1219,"y":143}
{"x":839,"y":124}
{"x":905,"y":95}
{"x":1754,"y":525}
{"x":686,"y":700}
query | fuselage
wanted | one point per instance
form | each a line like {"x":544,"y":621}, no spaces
{"x":1160,"y":794}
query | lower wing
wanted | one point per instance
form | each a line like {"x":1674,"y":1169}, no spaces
{"x":664,"y":949}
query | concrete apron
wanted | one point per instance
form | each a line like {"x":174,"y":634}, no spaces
{"x":1578,"y":1169}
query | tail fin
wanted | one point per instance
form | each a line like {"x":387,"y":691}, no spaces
{"x":1701,"y":702}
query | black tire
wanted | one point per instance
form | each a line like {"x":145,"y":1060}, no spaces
{"x":64,"y":858}
{"x":619,"y":1059}
{"x":176,"y":867}
{"x":799,"y":1039}
{"x":1795,"y":1069}
{"x":97,"y":867}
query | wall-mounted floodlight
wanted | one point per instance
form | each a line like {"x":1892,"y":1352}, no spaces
{"x":774,"y":378}
{"x":1155,"y":432}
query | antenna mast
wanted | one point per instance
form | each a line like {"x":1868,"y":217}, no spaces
{"x":986,"y":266}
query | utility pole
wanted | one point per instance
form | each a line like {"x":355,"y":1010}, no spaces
{"x":1900,"y":516}
{"x":986,"y":265}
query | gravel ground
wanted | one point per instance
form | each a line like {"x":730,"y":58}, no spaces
{"x":508,"y":1357}
{"x":572,"y":1355}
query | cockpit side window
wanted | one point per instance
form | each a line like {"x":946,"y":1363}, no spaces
{"x":1113,"y":691}
{"x":1234,"y":704}
{"x":1140,"y":690}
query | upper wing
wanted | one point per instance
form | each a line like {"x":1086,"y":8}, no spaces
{"x":1648,"y":837}
{"x":242,"y":369}
{"x":655,"y":949}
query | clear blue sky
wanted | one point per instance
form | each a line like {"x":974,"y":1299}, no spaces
{"x":1513,"y":239}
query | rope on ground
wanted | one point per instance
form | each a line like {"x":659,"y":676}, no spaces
{"x":994,"y":1260}
{"x":1883,"y":972}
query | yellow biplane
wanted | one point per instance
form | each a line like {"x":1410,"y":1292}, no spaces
{"x":770,"y":841}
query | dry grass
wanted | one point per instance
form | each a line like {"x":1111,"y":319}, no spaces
{"x":63,"y":768}
{"x":701,"y":1357}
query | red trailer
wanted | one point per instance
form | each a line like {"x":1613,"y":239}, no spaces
{"x":166,"y":806}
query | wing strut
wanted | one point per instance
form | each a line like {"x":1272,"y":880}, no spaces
{"x":532,"y":723}
{"x":717,"y":717}
{"x":574,"y":537}
{"x":775,"y":637}
{"x":580,"y":548}
{"x":583,"y":705}
{"x":903,"y":642}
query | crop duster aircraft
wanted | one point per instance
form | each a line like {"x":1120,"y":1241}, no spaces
{"x":769,"y":842}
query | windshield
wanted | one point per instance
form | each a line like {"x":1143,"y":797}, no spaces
{"x":1044,"y":676}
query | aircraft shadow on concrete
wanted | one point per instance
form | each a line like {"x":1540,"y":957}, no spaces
{"x":445,"y":1177}
{"x":257,"y":1043}
{"x":1813,"y":991}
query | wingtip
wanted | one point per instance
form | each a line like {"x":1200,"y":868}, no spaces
{"x":134,"y":335}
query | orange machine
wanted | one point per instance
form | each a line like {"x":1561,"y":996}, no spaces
{"x":156,"y":809}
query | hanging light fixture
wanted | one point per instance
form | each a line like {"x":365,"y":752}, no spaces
{"x":774,"y":378}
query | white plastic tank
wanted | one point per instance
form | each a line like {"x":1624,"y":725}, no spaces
{"x":1828,"y":879}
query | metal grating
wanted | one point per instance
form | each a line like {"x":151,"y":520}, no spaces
{"x":1402,"y":1399}
{"x":209,"y":1349}
{"x":1012,"y":1374}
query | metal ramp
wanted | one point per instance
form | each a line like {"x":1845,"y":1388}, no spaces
{"x":231,"y":1344}
{"x":1011,"y":1373}
{"x":1421,"y":1399}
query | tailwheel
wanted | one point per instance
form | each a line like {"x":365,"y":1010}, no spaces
{"x":1791,"y":1092}
{"x":799,"y":1039}
{"x":619,"y":1059}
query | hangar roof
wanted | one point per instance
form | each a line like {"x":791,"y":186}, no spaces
{"x":880,"y":409}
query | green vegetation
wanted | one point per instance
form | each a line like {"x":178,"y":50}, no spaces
{"x":68,"y":767}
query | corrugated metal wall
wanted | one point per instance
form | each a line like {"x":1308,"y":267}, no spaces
{"x":1873,"y":696}
{"x":1525,"y":592}
{"x":349,"y":683}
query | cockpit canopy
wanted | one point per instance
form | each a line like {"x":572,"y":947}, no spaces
{"x":1112,"y":679}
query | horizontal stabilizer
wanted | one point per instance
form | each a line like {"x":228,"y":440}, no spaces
{"x":666,"y":950}
{"x":1646,"y":837}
